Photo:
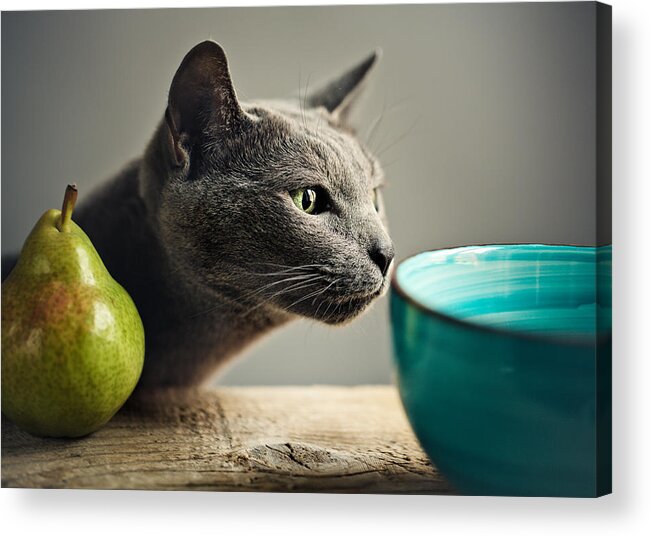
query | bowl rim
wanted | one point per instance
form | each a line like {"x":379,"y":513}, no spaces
{"x":577,"y":341}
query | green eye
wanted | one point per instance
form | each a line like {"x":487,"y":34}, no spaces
{"x":310,"y":200}
{"x":376,"y":199}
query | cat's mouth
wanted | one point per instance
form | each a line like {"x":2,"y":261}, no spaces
{"x":348,"y":308}
{"x":344,"y":306}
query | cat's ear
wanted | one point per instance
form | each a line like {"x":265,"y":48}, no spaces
{"x":338,"y":95}
{"x":201,"y":99}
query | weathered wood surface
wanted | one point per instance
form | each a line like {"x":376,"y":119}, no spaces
{"x":319,"y":439}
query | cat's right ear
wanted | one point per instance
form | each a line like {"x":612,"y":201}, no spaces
{"x":338,"y":96}
{"x":202,"y":100}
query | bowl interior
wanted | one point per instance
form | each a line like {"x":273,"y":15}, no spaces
{"x":530,"y":288}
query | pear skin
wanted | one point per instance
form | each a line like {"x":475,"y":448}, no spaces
{"x":73,"y":342}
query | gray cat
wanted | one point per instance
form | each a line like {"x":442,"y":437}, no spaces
{"x":240,"y":217}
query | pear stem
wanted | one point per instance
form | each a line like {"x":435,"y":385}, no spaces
{"x":69,"y":201}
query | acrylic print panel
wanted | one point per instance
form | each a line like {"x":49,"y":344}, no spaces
{"x":360,"y":249}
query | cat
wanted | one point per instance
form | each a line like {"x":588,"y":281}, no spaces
{"x":240,"y":217}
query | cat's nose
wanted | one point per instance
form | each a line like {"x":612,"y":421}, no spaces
{"x":382,"y":257}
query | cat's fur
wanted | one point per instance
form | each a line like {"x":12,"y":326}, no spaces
{"x":202,"y":231}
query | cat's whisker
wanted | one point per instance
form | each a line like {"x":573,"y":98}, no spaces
{"x":286,"y":272}
{"x":307,"y":84}
{"x":387,"y":165}
{"x":294,"y":287}
{"x":399,"y":139}
{"x":288,"y":266}
{"x":325,"y":313}
{"x":316,"y":313}
{"x":300,"y":101}
{"x":318,"y":123}
{"x":375,"y":124}
{"x":304,"y":268}
{"x":373,"y":129}
{"x":315,"y":293}
{"x":204,"y":312}
{"x":324,"y":290}
{"x":304,"y":298}
{"x":260,"y":290}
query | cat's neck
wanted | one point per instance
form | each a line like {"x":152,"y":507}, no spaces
{"x":189,"y":331}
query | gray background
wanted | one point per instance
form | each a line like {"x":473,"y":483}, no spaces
{"x":487,"y":130}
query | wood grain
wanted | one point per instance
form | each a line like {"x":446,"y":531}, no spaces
{"x":308,"y":439}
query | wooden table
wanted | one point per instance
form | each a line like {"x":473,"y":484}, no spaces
{"x":307,"y":439}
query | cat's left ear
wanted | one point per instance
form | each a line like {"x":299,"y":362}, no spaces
{"x":338,"y":96}
{"x":201,"y":100}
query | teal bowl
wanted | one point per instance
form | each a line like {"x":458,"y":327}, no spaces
{"x":503,"y":357}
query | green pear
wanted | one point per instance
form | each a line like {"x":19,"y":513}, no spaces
{"x":73,"y":343}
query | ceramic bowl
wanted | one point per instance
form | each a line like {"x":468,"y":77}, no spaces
{"x":501,"y":352}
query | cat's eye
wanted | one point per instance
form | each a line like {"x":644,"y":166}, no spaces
{"x":376,"y":198}
{"x":310,"y":200}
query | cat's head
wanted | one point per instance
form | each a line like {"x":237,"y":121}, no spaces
{"x":270,"y":201}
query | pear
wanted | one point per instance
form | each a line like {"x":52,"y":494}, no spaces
{"x":72,"y":341}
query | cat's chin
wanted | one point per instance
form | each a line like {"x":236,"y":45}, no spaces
{"x":345,"y":310}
